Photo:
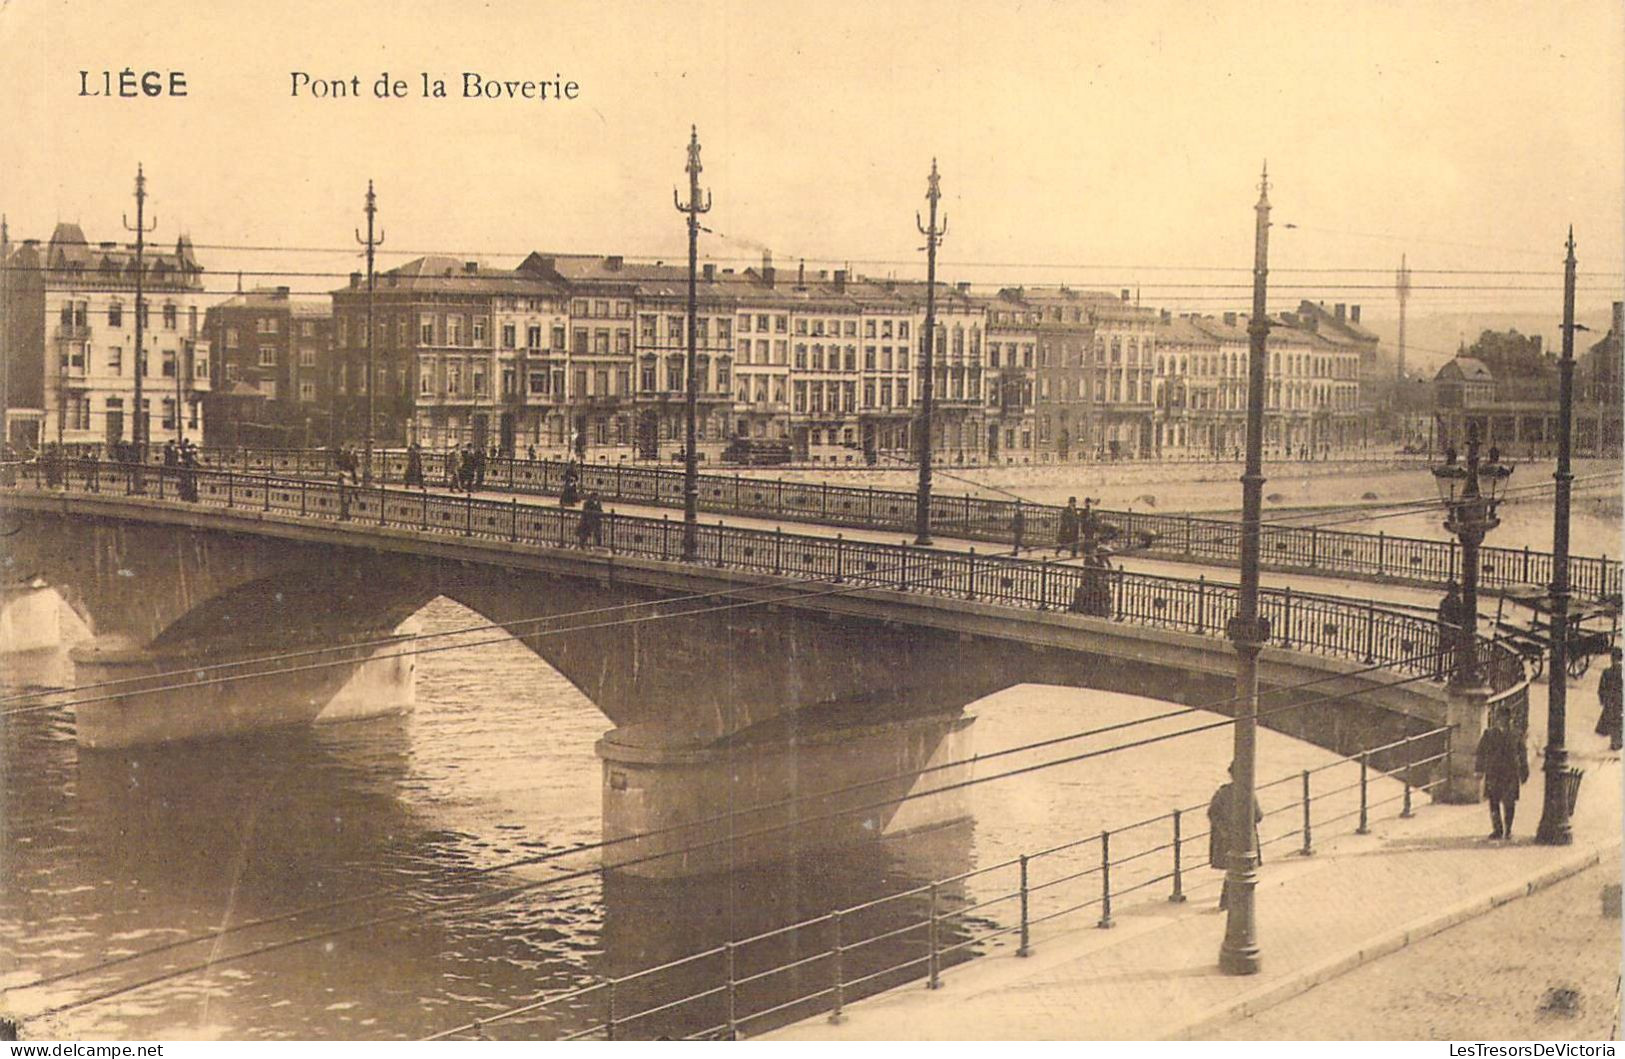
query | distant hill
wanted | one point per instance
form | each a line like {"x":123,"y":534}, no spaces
{"x":1432,"y":338}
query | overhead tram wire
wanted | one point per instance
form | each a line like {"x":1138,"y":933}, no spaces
{"x":504,"y":894}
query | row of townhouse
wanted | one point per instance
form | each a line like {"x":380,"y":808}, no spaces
{"x":69,"y":329}
{"x":592,"y":350}
{"x":1312,"y":382}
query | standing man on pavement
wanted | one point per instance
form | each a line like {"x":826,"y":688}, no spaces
{"x":1503,"y":760}
{"x":1018,"y":529}
{"x":1221,"y":835}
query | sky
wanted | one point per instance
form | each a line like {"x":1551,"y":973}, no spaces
{"x":1120,"y":141}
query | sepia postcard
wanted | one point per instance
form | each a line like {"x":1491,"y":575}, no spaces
{"x":1039,"y":521}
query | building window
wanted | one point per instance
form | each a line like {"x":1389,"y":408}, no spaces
{"x":479,"y":330}
{"x":538,"y":382}
{"x":307,"y":390}
{"x":169,"y":364}
{"x":454,"y":330}
{"x":267,"y":357}
{"x":115,"y":359}
{"x":454,"y":379}
{"x":115,"y":315}
{"x":558,"y":337}
{"x":307,"y":358}
{"x":533,"y":337}
{"x":510,"y":332}
{"x":478,"y":374}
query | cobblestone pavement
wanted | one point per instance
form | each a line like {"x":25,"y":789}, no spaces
{"x":1546,"y":967}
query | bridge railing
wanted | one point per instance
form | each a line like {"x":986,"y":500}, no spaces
{"x":822,"y":964}
{"x":1172,"y":536}
{"x":1357,"y":631}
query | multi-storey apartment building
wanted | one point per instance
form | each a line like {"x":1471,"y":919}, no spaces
{"x":443,"y":377}
{"x":272,"y":364}
{"x":1124,"y":361}
{"x":71,"y":323}
{"x":1012,"y":378}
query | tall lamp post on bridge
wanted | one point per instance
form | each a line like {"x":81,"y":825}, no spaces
{"x":1239,"y":954}
{"x":1554,"y":829}
{"x":691,"y":466}
{"x":928,"y":344}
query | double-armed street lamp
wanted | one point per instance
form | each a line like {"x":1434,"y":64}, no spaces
{"x":1470,"y":492}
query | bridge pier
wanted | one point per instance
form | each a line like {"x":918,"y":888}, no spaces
{"x":1466,"y":712}
{"x":699,"y":805}
{"x":30,"y":617}
{"x":364,"y":679}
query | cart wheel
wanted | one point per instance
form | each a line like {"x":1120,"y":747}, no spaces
{"x":1537,"y":665}
{"x":1578,"y":664}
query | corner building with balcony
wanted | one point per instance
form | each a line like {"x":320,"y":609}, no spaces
{"x":70,"y":320}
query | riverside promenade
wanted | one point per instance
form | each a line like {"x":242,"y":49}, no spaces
{"x":1356,"y":899}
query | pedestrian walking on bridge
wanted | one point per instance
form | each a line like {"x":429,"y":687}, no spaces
{"x":1503,"y":761}
{"x":1452,"y":615}
{"x":1066,"y":535}
{"x":1018,"y":529}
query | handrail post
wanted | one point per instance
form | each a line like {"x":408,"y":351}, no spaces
{"x":838,"y":557}
{"x":1365,"y":818}
{"x":733,"y":985}
{"x":1405,"y":774}
{"x":1105,"y":880}
{"x":230,"y":492}
{"x":934,"y":958}
{"x":837,"y":953}
{"x":1308,"y":841}
{"x":468,"y":517}
{"x":1178,"y":896}
{"x":609,"y":1016}
{"x":1025,"y":948}
{"x":1370,"y":631}
{"x":380,"y":499}
{"x":1043,"y":585}
{"x":1201,"y":603}
{"x":302,"y":484}
{"x":267,"y":485}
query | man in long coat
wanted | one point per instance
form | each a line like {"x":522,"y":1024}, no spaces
{"x":1611,"y":696}
{"x":1066,"y":535}
{"x":1451,"y":614}
{"x":1222,"y":839}
{"x":1503,"y":761}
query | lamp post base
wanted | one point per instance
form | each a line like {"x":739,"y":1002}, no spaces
{"x":1555,"y":828}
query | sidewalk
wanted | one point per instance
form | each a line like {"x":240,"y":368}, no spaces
{"x":1356,"y":899}
{"x":1407,"y":596}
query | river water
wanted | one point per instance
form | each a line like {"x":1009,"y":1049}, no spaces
{"x":106,"y":854}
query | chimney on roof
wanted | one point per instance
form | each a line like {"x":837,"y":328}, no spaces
{"x":1342,"y":311}
{"x":1125,"y":295}
{"x":769,"y":273}
{"x":1230,"y":319}
{"x":471,"y":267}
{"x":109,"y":245}
{"x":801,"y":273}
{"x":355,"y":280}
{"x":823,"y":273}
{"x":962,"y":287}
{"x":1167,"y":316}
{"x":710,"y":272}
{"x":840,"y":280}
{"x":614,"y":262}
{"x":282,"y":293}
{"x":1354,"y":314}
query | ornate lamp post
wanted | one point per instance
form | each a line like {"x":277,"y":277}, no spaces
{"x":1554,"y":829}
{"x":1470,"y":494}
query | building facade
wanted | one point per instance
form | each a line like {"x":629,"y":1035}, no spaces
{"x":273,"y":369}
{"x":70,"y":321}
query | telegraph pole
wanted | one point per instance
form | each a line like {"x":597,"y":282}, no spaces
{"x":928,"y":344}
{"x":139,"y":434}
{"x":1239,"y":953}
{"x":691,"y":466}
{"x":1554,"y":829}
{"x":1402,"y":287}
{"x":372,"y":245}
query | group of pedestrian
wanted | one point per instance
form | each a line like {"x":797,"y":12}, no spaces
{"x":465,"y":468}
{"x":414,"y":467}
{"x":346,"y":463}
{"x":182,"y":462}
{"x":591,"y":524}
